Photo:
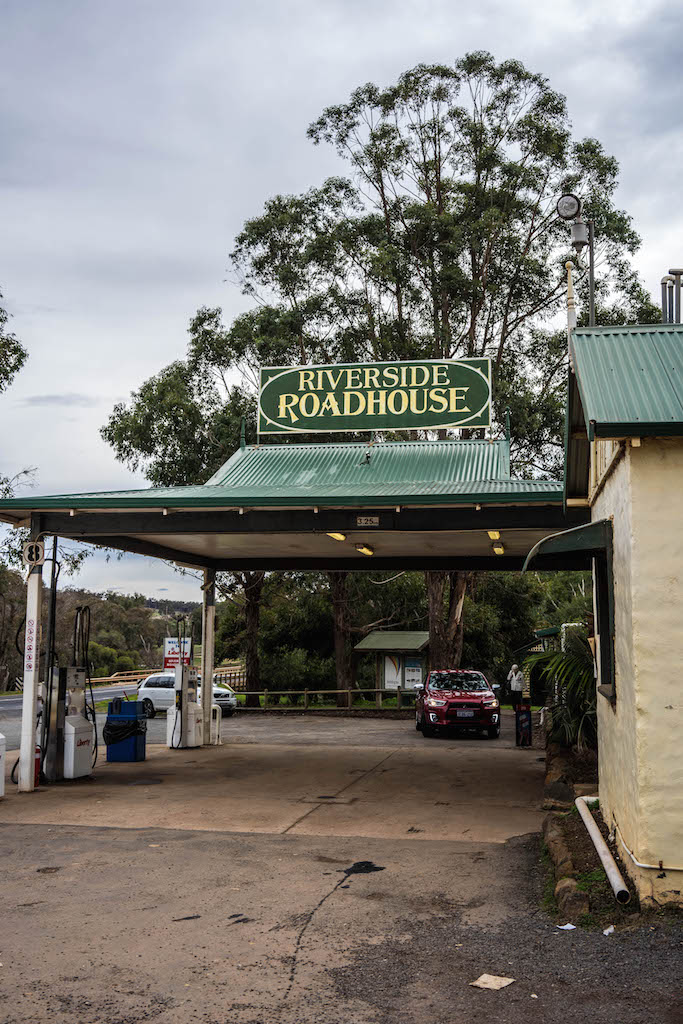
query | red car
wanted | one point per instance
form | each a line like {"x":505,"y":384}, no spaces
{"x":457,"y":698}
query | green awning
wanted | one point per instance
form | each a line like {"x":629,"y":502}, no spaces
{"x":572,"y":549}
{"x":330,"y":475}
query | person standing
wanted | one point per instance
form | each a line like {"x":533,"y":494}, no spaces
{"x":515,"y":685}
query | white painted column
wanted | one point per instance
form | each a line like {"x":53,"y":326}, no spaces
{"x":34,"y":593}
{"x":208,"y":648}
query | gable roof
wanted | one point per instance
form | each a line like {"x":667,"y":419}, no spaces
{"x":630,"y":379}
{"x":394,"y":640}
{"x":623,"y":382}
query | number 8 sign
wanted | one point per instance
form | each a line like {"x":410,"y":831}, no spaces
{"x":34,"y":553}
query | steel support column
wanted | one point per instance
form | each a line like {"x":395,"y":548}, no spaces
{"x":208,"y":648}
{"x":34,"y":593}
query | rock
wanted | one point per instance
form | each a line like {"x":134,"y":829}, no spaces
{"x":586,"y":788}
{"x":571,"y":902}
{"x":557,"y":787}
{"x":559,"y":852}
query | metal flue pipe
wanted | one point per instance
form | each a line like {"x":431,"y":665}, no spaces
{"x":676,"y":274}
{"x":665,"y":298}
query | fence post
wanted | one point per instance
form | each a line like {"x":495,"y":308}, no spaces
{"x":265,"y":699}
{"x":349,"y":699}
{"x":398,"y":698}
{"x":305,"y":700}
{"x":378,"y":698}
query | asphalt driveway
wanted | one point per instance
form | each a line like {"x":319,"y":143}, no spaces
{"x":300,"y":874}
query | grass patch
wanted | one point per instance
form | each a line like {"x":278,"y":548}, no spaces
{"x":588,"y":881}
{"x":548,"y":901}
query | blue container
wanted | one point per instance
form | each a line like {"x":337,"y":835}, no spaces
{"x":126,"y":713}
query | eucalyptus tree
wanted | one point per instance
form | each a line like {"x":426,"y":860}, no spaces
{"x":442,"y":242}
{"x":13,"y":355}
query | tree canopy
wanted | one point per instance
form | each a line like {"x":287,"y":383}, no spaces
{"x":13,"y":355}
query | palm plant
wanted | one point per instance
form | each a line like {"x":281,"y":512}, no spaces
{"x":573,"y":713}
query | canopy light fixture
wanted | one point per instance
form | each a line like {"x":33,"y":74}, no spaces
{"x":337,"y":536}
{"x":498,"y":548}
{"x":568,"y":206}
{"x":494,"y":534}
{"x":364,"y":549}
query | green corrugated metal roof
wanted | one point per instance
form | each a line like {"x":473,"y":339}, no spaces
{"x":334,"y":474}
{"x":393,"y":640}
{"x":630,"y":379}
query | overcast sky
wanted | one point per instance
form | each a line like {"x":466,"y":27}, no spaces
{"x":136,"y":136}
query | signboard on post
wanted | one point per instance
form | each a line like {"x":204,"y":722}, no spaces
{"x":176,"y":652}
{"x":422,"y":394}
{"x":34,"y":552}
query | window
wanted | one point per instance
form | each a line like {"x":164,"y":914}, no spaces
{"x":161,"y":682}
{"x":604,"y":622}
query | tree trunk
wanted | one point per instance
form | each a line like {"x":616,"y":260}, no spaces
{"x":252,"y":582}
{"x":446,"y":623}
{"x":342,"y":648}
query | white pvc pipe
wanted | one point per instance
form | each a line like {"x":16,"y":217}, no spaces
{"x":619,"y":888}
{"x":640,"y":863}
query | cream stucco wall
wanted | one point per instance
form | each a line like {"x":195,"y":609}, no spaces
{"x":641,"y":737}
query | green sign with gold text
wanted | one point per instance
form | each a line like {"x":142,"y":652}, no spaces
{"x":425,"y":394}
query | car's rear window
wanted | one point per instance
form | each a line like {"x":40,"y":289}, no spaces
{"x":158,"y":680}
{"x":457,"y":681}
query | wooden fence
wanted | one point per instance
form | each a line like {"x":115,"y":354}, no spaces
{"x":221,"y":675}
{"x":338,"y":700}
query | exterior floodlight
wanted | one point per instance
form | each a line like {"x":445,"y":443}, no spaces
{"x":364,"y":549}
{"x":498,"y":548}
{"x":568,"y":207}
{"x":337,"y":536}
{"x":494,"y":534}
{"x":579,"y":232}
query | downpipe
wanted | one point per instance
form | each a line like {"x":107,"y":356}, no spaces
{"x":619,"y":888}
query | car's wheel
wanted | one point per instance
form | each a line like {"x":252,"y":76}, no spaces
{"x":494,"y":732}
{"x":426,"y":729}
{"x":226,"y":712}
{"x":148,"y":708}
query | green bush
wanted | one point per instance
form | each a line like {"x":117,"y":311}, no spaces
{"x":573,"y":713}
{"x":296,"y":669}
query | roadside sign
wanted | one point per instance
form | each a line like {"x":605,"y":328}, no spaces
{"x":426,"y":394}
{"x":34,"y":552}
{"x":176,"y":652}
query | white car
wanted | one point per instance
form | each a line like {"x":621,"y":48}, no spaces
{"x":157,"y":693}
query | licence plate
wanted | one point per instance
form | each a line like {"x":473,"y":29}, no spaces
{"x":465,"y":714}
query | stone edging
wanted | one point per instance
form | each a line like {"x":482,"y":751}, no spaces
{"x":571,"y":902}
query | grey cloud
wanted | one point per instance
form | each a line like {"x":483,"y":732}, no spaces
{"x":68,"y":399}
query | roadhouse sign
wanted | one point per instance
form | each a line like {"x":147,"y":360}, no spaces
{"x":427,"y":394}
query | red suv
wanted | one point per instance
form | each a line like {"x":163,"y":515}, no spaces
{"x":459,"y":698}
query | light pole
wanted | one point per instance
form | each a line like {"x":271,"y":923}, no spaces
{"x":582,"y":234}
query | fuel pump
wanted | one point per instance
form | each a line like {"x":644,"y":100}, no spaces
{"x":71,"y":750}
{"x":183,"y":720}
